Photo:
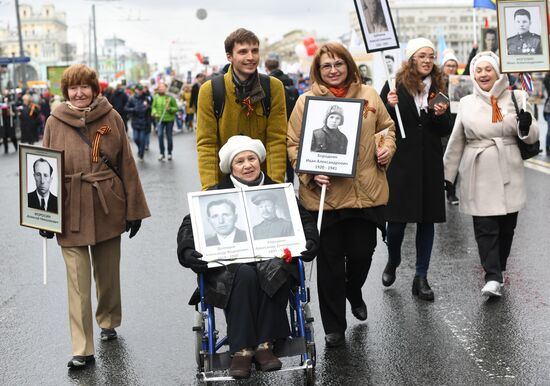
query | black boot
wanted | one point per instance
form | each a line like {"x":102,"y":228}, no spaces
{"x":422,"y":289}
{"x":388,"y":276}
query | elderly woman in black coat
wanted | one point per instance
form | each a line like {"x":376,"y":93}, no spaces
{"x":415,"y":175}
{"x":254,"y":302}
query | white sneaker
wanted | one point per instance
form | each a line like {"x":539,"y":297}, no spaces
{"x":161,"y":157}
{"x":492,"y":288}
{"x":169,"y":157}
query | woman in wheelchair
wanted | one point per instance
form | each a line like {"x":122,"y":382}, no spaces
{"x":254,"y":295}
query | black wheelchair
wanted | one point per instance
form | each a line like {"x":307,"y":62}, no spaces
{"x":213,"y":362}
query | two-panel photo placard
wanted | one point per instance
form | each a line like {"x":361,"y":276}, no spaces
{"x":234,"y":225}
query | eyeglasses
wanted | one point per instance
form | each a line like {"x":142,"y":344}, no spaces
{"x":326,"y":67}
{"x":425,"y":58}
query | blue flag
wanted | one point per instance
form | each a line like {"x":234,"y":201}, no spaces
{"x":491,"y":4}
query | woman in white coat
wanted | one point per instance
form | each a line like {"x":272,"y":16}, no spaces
{"x":483,"y":151}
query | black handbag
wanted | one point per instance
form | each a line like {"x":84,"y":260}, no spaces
{"x":526,"y":150}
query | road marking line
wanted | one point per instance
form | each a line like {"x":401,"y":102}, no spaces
{"x":538,"y":165}
{"x":539,"y":162}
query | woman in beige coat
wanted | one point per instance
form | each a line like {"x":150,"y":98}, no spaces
{"x":354,"y":207}
{"x":100,"y":203}
{"x":483,"y":151}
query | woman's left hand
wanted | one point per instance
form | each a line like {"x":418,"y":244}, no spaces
{"x":440,"y":108}
{"x":383,"y":155}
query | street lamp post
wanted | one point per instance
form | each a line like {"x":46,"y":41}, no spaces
{"x":95,"y":40}
{"x":21,"y":53}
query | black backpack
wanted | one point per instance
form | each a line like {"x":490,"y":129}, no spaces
{"x":291,"y":96}
{"x":218,"y":95}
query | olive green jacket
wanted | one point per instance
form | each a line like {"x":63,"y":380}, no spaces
{"x":270,"y":130}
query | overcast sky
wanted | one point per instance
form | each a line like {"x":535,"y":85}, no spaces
{"x":156,"y":26}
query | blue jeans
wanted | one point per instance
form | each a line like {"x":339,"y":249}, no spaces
{"x":139,"y":139}
{"x":424,"y":243}
{"x":165,"y":127}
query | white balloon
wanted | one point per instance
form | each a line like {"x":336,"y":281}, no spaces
{"x":301,"y":51}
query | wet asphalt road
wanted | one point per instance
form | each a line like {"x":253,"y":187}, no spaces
{"x":460,"y":339}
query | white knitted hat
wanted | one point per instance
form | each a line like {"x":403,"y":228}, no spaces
{"x":449,"y":56}
{"x":237,"y":144}
{"x":415,"y":44}
{"x":485,"y":56}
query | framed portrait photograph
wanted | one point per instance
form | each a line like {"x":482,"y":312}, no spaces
{"x":459,"y":86}
{"x":242,"y":226}
{"x":489,"y":40}
{"x":376,"y":24}
{"x":41,"y":188}
{"x":175,"y":87}
{"x":523,"y":35}
{"x":330,"y":136}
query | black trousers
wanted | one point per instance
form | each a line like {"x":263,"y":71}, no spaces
{"x":343,"y":264}
{"x":9,"y":133}
{"x":252,"y":316}
{"x":494,"y":235}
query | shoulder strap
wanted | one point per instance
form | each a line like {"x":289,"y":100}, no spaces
{"x":515,"y":102}
{"x":218,"y":95}
{"x":102,"y":155}
{"x":265,"y":82}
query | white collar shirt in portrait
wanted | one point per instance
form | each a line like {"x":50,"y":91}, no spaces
{"x":227,"y":240}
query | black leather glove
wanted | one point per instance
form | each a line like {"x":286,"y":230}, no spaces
{"x":311,"y":251}
{"x":190,"y":258}
{"x":133,"y":226}
{"x":46,"y":234}
{"x":449,"y":186}
{"x":524,"y":120}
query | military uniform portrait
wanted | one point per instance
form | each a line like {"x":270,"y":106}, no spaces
{"x":524,"y":33}
{"x":273,"y":214}
{"x":329,"y":138}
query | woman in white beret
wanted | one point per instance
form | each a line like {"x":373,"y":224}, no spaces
{"x":415,"y":175}
{"x":253,"y":296}
{"x":483,"y":151}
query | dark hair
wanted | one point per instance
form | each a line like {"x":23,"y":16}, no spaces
{"x":78,"y":74}
{"x":41,"y":160}
{"x":409,"y":77}
{"x":333,"y":49}
{"x":239,"y":36}
{"x":390,"y":57}
{"x":223,"y":201}
{"x":522,"y":12}
{"x":271,"y":64}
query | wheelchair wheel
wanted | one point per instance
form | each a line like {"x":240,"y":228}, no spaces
{"x":198,"y":330}
{"x":310,"y":377}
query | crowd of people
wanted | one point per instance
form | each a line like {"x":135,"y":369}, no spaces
{"x":253,"y":140}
